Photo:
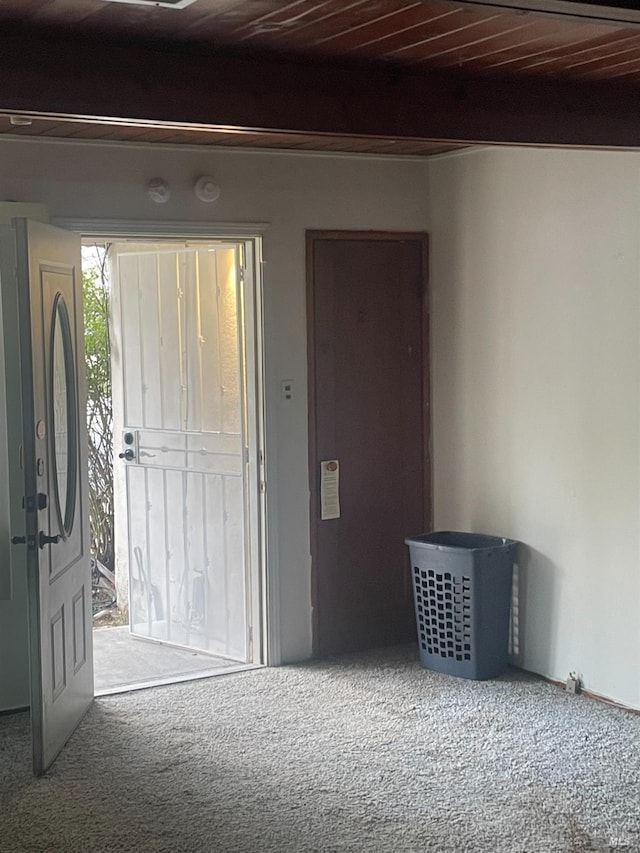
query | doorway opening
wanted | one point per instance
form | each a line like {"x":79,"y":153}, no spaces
{"x":175,"y":434}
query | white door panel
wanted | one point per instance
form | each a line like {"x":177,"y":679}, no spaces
{"x":56,"y":494}
{"x":181,"y":387}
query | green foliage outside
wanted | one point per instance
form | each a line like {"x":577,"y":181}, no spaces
{"x":99,"y":410}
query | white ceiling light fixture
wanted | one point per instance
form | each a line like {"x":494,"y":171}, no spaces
{"x":159,"y":190}
{"x":206,"y":189}
{"x":166,"y":4}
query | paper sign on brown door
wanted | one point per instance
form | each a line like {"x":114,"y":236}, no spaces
{"x":329,"y":489}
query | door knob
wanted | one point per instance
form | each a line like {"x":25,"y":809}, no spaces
{"x":43,"y":539}
{"x":128,"y":454}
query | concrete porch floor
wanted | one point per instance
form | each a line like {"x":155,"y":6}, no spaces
{"x":122,"y":662}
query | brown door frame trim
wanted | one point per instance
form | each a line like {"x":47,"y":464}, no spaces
{"x":396,"y":236}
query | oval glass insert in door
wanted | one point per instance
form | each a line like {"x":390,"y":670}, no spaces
{"x":63,"y":401}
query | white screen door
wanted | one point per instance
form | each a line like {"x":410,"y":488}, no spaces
{"x":181,"y":426}
{"x":55,"y":473}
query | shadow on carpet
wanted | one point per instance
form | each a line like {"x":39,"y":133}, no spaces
{"x":363,"y":753}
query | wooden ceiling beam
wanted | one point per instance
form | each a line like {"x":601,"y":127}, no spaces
{"x":124,"y":84}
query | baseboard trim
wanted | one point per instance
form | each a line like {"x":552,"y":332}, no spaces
{"x":20,"y":710}
{"x":590,"y":694}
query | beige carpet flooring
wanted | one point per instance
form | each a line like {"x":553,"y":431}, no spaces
{"x":365,"y":753}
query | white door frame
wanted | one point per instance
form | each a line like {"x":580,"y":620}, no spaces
{"x":252,"y":233}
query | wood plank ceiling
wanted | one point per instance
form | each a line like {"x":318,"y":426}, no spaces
{"x":483,"y":41}
{"x":431,"y":33}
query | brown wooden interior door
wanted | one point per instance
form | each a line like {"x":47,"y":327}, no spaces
{"x":368,"y":363}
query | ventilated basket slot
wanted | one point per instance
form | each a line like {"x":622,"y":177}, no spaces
{"x":444,"y":613}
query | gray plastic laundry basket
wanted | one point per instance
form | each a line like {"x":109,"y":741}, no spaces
{"x":462,"y":589}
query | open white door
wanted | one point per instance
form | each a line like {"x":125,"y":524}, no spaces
{"x":185,"y":417}
{"x":55,"y":473}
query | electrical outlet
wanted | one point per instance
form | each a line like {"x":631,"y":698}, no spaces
{"x":573,"y":683}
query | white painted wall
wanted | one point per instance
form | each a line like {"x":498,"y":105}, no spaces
{"x":290,"y":192}
{"x":536,"y":354}
{"x":536,"y":378}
